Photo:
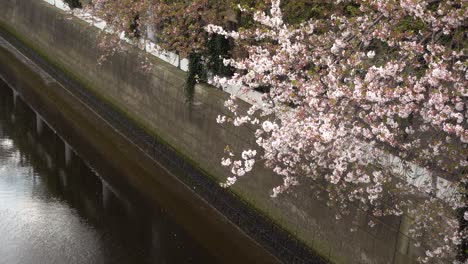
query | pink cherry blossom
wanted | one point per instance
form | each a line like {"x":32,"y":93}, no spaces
{"x":356,"y":103}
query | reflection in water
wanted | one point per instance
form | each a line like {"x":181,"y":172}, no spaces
{"x":54,"y":209}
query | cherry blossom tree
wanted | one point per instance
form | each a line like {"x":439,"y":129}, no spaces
{"x":177,"y":25}
{"x":367,"y":98}
{"x":358,"y":102}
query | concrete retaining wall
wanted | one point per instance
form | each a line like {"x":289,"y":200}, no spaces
{"x":157,"y":101}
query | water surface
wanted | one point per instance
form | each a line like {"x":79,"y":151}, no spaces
{"x":56,"y":209}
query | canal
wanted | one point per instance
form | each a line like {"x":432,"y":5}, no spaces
{"x":55,"y":208}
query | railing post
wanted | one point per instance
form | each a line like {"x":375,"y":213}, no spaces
{"x":403,"y":240}
{"x":39,"y":124}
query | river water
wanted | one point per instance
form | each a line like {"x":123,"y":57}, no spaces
{"x":56,"y":209}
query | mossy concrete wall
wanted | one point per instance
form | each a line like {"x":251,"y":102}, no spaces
{"x":157,"y":101}
{"x":108,"y":151}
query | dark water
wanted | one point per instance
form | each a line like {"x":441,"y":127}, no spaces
{"x":55,"y":209}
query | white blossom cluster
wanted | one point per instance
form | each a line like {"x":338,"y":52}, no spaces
{"x":348,"y":91}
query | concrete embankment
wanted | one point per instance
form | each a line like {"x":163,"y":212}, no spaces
{"x":186,"y":138}
{"x":110,"y":153}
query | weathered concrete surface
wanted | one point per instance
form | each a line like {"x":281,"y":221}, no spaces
{"x":157,"y":101}
{"x":109,"y":153}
